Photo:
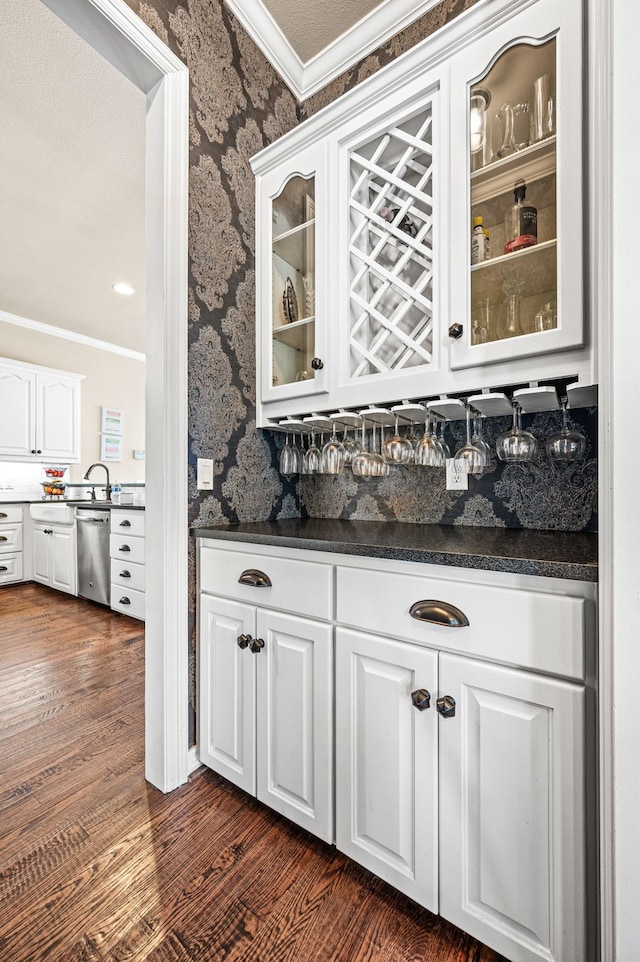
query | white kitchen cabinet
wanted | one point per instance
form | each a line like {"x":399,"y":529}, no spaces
{"x":45,"y":413}
{"x":54,"y":556}
{"x":127,"y":562}
{"x":11,"y":543}
{"x":406,"y":314}
{"x":512,"y":800}
{"x":387,"y":761}
{"x":266,"y":704}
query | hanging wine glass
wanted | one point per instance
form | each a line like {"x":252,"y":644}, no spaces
{"x":443,"y":444}
{"x":378,"y":467}
{"x":429,"y":452}
{"x":473,"y":457}
{"x":396,"y":449}
{"x":352,"y":446}
{"x":516,"y":444}
{"x":333,"y":455}
{"x":360,"y":464}
{"x":478,"y":440}
{"x":566,"y":444}
{"x":312,"y":456}
{"x":289,"y":460}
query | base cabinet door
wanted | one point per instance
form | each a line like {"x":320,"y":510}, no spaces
{"x":512,"y":791}
{"x":387,"y":761}
{"x":227,"y":721}
{"x":41,"y":554}
{"x":63,"y":559}
{"x":295,"y":719}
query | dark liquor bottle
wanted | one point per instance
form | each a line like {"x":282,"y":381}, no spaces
{"x":521,"y":222}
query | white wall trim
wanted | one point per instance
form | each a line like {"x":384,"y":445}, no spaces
{"x":194,"y":762}
{"x":305,"y":79}
{"x":52,"y":331}
{"x":111,"y":28}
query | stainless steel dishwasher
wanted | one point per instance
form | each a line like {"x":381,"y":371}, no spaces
{"x":94,"y":581}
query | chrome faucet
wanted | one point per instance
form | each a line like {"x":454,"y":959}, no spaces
{"x":98,"y":464}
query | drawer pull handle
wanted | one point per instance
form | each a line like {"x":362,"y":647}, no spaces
{"x":446,"y":706}
{"x":125,"y":524}
{"x":439,"y":613}
{"x":255,"y":578}
{"x":125,"y":601}
{"x":3,"y":568}
{"x":3,"y":514}
{"x":3,"y":537}
{"x":256,"y":645}
{"x":125,"y":574}
{"x":421,"y":699}
{"x":124,"y":547}
{"x":243,"y":641}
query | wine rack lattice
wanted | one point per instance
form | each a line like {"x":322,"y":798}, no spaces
{"x":391,"y":248}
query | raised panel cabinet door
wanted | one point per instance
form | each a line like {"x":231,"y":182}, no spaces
{"x":512,"y":797}
{"x":295,"y":719}
{"x":387,"y":761}
{"x":63,"y":559}
{"x":227,"y":690}
{"x":17,"y":412}
{"x":41,"y":554}
{"x":58,"y":417}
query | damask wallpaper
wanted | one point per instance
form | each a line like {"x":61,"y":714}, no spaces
{"x":238,"y":104}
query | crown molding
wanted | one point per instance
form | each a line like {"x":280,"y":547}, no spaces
{"x":305,"y":79}
{"x":62,"y":332}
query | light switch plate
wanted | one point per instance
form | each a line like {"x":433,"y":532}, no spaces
{"x":457,"y":477}
{"x":204,"y":476}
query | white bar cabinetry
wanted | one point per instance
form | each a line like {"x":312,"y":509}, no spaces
{"x":126,"y":550}
{"x":460,"y":714}
{"x":11,"y":543}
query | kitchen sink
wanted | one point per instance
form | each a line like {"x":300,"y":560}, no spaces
{"x":55,"y":512}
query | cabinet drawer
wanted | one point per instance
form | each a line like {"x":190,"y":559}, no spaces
{"x":531,"y":629}
{"x":10,"y":537}
{"x":298,"y":586}
{"x":124,"y":546}
{"x":10,"y":568}
{"x":127,"y":575}
{"x":127,"y":601}
{"x":10,"y":513}
{"x":127,"y":522}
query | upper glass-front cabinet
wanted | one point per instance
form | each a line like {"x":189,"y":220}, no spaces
{"x":293,"y":359}
{"x":518,"y":222}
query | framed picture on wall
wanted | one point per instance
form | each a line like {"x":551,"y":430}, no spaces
{"x":111,"y":447}
{"x":111,"y":420}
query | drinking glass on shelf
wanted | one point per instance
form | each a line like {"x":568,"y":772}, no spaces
{"x":475,"y":459}
{"x":547,"y":318}
{"x":429,"y":452}
{"x":509,"y":323}
{"x":566,"y":444}
{"x":333,"y":455}
{"x":516,"y":444}
{"x":513,"y":123}
{"x":398,"y":450}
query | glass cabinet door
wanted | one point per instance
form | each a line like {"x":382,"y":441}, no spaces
{"x":518,"y":222}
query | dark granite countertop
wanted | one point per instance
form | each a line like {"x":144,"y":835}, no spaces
{"x":74,"y":504}
{"x":550,"y":554}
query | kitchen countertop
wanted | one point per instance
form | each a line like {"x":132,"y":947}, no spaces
{"x":550,"y":554}
{"x":75,"y":504}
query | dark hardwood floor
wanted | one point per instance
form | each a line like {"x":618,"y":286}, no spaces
{"x":97,"y":865}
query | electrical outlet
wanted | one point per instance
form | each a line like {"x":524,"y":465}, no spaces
{"x":457,"y":477}
{"x":204,"y":477}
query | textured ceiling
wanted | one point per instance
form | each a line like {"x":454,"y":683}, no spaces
{"x":311,"y":25}
{"x":72,"y":168}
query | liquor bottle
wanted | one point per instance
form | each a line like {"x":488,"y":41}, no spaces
{"x":406,"y":224}
{"x":521,"y":222}
{"x":478,"y":242}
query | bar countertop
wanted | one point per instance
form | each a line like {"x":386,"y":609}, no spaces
{"x":550,"y":554}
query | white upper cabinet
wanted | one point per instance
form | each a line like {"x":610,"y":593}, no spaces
{"x":41,"y":413}
{"x":376,"y":279}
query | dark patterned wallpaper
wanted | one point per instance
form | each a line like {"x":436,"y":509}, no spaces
{"x":238,"y":104}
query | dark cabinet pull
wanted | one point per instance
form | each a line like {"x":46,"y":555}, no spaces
{"x":125,"y":601}
{"x":3,"y":537}
{"x":3,"y":514}
{"x":446,"y":706}
{"x":421,"y":699}
{"x":255,"y":578}
{"x":244,"y":640}
{"x":124,"y":547}
{"x":439,"y":613}
{"x":125,"y":524}
{"x":3,"y":568}
{"x":125,"y":574}
{"x":256,"y":645}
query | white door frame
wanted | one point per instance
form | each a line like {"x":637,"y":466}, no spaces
{"x":114,"y":31}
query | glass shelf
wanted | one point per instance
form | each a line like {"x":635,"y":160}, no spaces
{"x":293,"y":246}
{"x":296,"y":334}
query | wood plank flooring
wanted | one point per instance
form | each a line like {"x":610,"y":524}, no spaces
{"x":98,"y":866}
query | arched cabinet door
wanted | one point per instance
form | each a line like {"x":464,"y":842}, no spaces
{"x":291,"y":278}
{"x":516,"y":251}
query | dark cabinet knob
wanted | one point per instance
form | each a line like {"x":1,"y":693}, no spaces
{"x":39,"y":451}
{"x":125,"y":574}
{"x":124,"y":547}
{"x":446,"y":706}
{"x":455,"y":331}
{"x":317,"y":363}
{"x":421,"y":699}
{"x":256,"y":645}
{"x":244,"y":640}
{"x":125,"y":601}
